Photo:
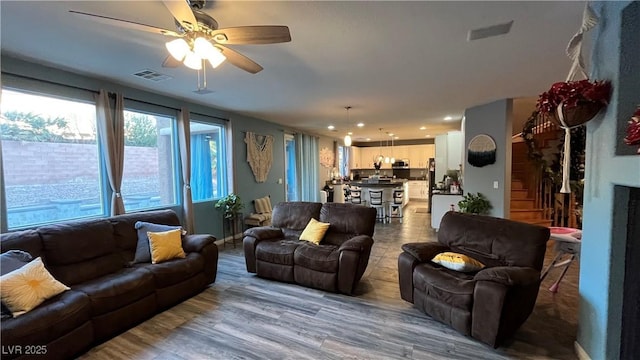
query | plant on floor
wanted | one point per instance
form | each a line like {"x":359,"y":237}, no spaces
{"x":475,"y":204}
{"x":230,"y":205}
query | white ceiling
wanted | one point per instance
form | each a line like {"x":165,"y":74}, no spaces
{"x":400,"y":65}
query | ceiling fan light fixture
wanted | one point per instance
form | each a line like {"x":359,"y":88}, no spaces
{"x":193,"y":61}
{"x":205,"y":50}
{"x":178,"y":48}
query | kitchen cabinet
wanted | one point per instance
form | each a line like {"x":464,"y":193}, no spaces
{"x":418,"y":190}
{"x":454,"y":150}
{"x":419,"y":155}
{"x":355,"y":161}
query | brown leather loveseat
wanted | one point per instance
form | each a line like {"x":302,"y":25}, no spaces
{"x":490,"y":304}
{"x":336,"y":265}
{"x":108,"y":295}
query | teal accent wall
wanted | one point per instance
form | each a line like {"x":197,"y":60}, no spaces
{"x":609,"y":166}
{"x":493,"y":119}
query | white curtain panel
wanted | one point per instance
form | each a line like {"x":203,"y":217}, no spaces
{"x":308,"y":164}
{"x":184,"y":134}
{"x":110,"y":123}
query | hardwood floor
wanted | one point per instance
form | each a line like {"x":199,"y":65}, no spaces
{"x":242,"y":316}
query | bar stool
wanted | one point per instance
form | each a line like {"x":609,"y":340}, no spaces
{"x":375,"y":201}
{"x":395,"y":206}
{"x":355,"y":194}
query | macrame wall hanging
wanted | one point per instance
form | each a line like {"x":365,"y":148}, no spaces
{"x":481,"y":151}
{"x":259,"y":154}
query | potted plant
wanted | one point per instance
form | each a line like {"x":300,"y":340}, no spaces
{"x":230,"y":206}
{"x":577,"y":101}
{"x":475,"y":204}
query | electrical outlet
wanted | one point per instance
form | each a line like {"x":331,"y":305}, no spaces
{"x":280,"y":181}
{"x":495,"y":185}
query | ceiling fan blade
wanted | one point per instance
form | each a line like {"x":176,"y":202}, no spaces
{"x":240,"y":60}
{"x":181,"y":11}
{"x":171,"y":62}
{"x":125,"y":23}
{"x":261,"y":34}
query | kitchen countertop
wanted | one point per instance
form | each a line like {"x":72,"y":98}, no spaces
{"x":380,"y":183}
{"x":442,"y":192}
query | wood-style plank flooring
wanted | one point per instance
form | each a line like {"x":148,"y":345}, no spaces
{"x":241,"y":316}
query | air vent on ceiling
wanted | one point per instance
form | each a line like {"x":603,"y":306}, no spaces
{"x":151,"y":75}
{"x":489,"y":31}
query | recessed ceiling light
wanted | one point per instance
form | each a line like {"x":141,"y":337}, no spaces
{"x":427,"y":135}
{"x":397,"y":137}
{"x":423,"y":128}
{"x":391,"y":134}
{"x":331,"y":127}
{"x":360,"y":124}
{"x":349,"y":133}
{"x":447,"y":118}
{"x":368,"y":139}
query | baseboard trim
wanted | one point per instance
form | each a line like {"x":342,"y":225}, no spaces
{"x":582,"y":355}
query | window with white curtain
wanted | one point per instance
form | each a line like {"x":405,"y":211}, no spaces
{"x":51,"y":167}
{"x":208,"y":169}
{"x":149,"y":173}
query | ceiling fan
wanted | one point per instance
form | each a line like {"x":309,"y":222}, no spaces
{"x":198,"y":38}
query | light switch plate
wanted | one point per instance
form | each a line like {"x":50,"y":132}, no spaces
{"x":495,"y":185}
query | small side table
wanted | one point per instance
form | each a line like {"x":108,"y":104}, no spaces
{"x":231,"y":224}
{"x":567,"y":244}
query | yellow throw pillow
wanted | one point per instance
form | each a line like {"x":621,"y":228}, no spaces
{"x":165,"y":245}
{"x":457,"y":262}
{"x":314,"y":232}
{"x":27,"y":287}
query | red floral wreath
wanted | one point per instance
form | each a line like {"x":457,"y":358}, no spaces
{"x":633,"y":130}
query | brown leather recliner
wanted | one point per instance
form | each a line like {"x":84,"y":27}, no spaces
{"x":336,"y":265}
{"x":491,"y":304}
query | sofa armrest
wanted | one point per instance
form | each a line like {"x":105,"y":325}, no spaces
{"x":358,"y":243}
{"x":264,"y":233}
{"x":509,"y":275}
{"x":424,"y":251}
{"x":196,"y":242}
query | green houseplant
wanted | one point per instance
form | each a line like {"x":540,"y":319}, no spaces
{"x":230,"y":205}
{"x":475,"y":204}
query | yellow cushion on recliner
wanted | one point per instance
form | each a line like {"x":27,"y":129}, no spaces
{"x":457,"y":262}
{"x":314,"y":232}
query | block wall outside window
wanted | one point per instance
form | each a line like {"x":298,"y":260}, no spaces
{"x":50,"y":159}
{"x":208,"y":170}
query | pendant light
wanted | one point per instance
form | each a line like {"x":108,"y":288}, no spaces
{"x":393,"y":159}
{"x":347,"y":138}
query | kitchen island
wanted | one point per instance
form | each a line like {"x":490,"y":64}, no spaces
{"x":387,"y":185}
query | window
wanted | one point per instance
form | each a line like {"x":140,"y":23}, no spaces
{"x":208,"y":170}
{"x":149,"y":173}
{"x":50,"y":159}
{"x":344,"y":152}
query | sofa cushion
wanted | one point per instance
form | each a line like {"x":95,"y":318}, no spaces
{"x":52,"y":319}
{"x":293,"y":217}
{"x":457,"y":262}
{"x":125,"y":233}
{"x":323,"y":258}
{"x":165,"y":245}
{"x":176,"y":270}
{"x":79,"y":251}
{"x":116,"y":290}
{"x":10,"y":261}
{"x":27,"y":240}
{"x":143,"y":249}
{"x":347,"y":221}
{"x":314,"y":231}
{"x":29,"y":286}
{"x":277,"y":252}
{"x":448,"y":286}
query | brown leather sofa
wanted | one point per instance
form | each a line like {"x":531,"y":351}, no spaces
{"x":108,"y":295}
{"x":491,"y":304}
{"x":336,"y":265}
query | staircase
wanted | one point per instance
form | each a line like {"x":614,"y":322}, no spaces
{"x":523,"y":203}
{"x":523,"y":196}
